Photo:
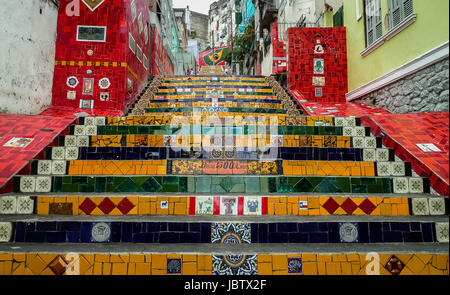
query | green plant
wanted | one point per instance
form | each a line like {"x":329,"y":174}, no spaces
{"x":243,"y":43}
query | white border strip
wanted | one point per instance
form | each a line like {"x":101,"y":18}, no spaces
{"x":433,"y":56}
{"x":83,"y":40}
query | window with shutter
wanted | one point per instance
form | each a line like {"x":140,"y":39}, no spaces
{"x":374,"y":29}
{"x":398,"y":11}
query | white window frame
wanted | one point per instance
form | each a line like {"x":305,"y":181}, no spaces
{"x":84,"y":26}
{"x":130,"y":36}
{"x":145,"y":61}
{"x":138,"y":48}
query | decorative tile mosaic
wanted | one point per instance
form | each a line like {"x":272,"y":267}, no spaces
{"x":437,"y":206}
{"x":420,"y":206}
{"x":294,"y":265}
{"x":8,"y":205}
{"x":235,"y":265}
{"x":25,"y":205}
{"x":230,"y":233}
{"x":348,"y":232}
{"x":5,"y":231}
{"x":101,"y":232}
{"x":442,"y":232}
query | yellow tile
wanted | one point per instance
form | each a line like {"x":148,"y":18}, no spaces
{"x":263,"y":258}
{"x":279,"y":262}
{"x":403,"y":209}
{"x":355,"y":268}
{"x":339,"y":258}
{"x":159,"y":261}
{"x":137,"y":258}
{"x":101,"y":258}
{"x":321,"y":268}
{"x":280,"y":209}
{"x":313,"y":203}
{"x":435,"y":271}
{"x":333,"y":268}
{"x":37,"y":265}
{"x":346,"y":268}
{"x":407,"y":272}
{"x":143,"y":268}
{"x":385,"y":209}
{"x":43,"y":208}
{"x":205,"y":262}
{"x":440,"y":261}
{"x":131,"y":269}
{"x":310,"y":268}
{"x":189,"y":268}
{"x":352,"y":257}
{"x":119,"y":269}
{"x":98,"y":269}
{"x":324,"y":258}
{"x":106,"y":269}
{"x":19,"y":257}
{"x":415,"y":265}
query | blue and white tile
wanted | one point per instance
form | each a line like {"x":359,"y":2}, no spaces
{"x":348,"y":232}
{"x":101,"y":232}
{"x":235,"y":264}
{"x":230,"y":233}
{"x":252,"y":205}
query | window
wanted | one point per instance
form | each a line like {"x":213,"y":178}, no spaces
{"x":398,"y":11}
{"x":139,"y":53}
{"x":374,"y":28}
{"x":91,"y":34}
{"x":145,"y":62}
{"x":132,"y":43}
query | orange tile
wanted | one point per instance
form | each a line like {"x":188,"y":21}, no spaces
{"x":265,"y":269}
{"x":346,"y":268}
{"x":143,"y":269}
{"x":279,"y":262}
{"x":189,"y":268}
{"x":106,"y":269}
{"x":310,"y":268}
{"x":321,"y":268}
{"x":333,"y":268}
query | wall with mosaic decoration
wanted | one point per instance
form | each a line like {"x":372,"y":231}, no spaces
{"x":161,"y":63}
{"x":27,"y":50}
{"x":95,"y":67}
{"x":279,"y":52}
{"x":317,"y":63}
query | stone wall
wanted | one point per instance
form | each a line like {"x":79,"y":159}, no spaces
{"x":424,"y":91}
{"x":27,"y":51}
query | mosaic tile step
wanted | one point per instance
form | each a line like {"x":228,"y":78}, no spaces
{"x":201,"y":104}
{"x":244,"y":77}
{"x":200,"y":83}
{"x":366,"y":140}
{"x":204,"y":91}
{"x":258,"y":142}
{"x":216,"y":110}
{"x":235,"y":121}
{"x":196,"y":96}
{"x":216,"y":205}
{"x":211,"y":167}
{"x":85,"y":231}
{"x":217,"y":184}
{"x":163,"y":263}
{"x":225,"y":101}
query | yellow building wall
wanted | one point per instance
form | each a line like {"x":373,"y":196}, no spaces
{"x":430,"y":30}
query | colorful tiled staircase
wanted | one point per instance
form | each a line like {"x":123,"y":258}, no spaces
{"x":281,"y":194}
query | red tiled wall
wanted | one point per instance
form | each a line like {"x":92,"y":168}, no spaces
{"x":116,"y":16}
{"x":279,"y":52}
{"x":161,"y":64}
{"x":301,"y":57}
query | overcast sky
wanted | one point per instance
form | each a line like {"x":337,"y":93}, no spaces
{"x":201,"y":6}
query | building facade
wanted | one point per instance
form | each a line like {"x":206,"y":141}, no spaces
{"x":405,"y":46}
{"x":222,"y":22}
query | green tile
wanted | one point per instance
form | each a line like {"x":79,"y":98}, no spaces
{"x":202,"y":184}
{"x":182,"y":185}
{"x":226,"y":184}
{"x":191,"y":184}
{"x":78,"y":180}
{"x":303,"y":185}
{"x":216,"y":188}
{"x":264,"y":185}
{"x":273,"y":188}
{"x":127,"y":186}
{"x":252,"y":185}
{"x":100,"y":184}
{"x":359,"y":189}
{"x":151,"y":185}
{"x":238,"y":188}
{"x":86,"y":188}
{"x":327,"y":185}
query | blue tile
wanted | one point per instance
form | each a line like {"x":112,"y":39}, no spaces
{"x":46,"y":226}
{"x":412,"y":237}
{"x":272,"y":227}
{"x":85,"y":236}
{"x":56,"y":237}
{"x":363,"y":232}
{"x":190,"y":237}
{"x":153,"y":227}
{"x":73,"y":237}
{"x":286,"y":227}
{"x":308,"y":227}
{"x":178,"y":226}
{"x":415,"y":226}
{"x":127,"y":232}
{"x":69,"y":226}
{"x":138,"y":227}
{"x":205,"y":232}
{"x":298,"y":238}
{"x":35,"y":237}
{"x":375,"y":232}
{"x":169,"y":237}
{"x":400,"y":226}
{"x":262,"y":233}
{"x":20,"y":232}
{"x":194,"y":227}
{"x":316,"y":237}
{"x":278,"y":238}
{"x":254,"y":232}
{"x":392,"y":237}
{"x":30,"y":226}
{"x":142,"y":238}
{"x":323,"y":226}
{"x":116,"y":232}
{"x":163,"y":226}
{"x":428,"y":232}
{"x":386,"y":226}
{"x":333,"y":232}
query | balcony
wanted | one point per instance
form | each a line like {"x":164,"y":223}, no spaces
{"x":269,"y":13}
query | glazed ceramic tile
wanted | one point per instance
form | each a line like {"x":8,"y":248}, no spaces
{"x":381,"y":155}
{"x":71,"y":153}
{"x":43,"y":184}
{"x":99,"y":121}
{"x":394,"y":265}
{"x":204,"y":205}
{"x":397,"y":168}
{"x":442,"y":232}
{"x":70,"y":140}
{"x":436,"y":206}
{"x":369,"y":155}
{"x":174,"y":266}
{"x":82,"y":141}
{"x":89,"y":121}
{"x":58,"y":153}
{"x":228,"y":205}
{"x":235,"y":264}
{"x":5,"y":231}
{"x":44,"y":167}
{"x":294,"y":265}
{"x":348,"y":232}
{"x":25,"y":205}
{"x":101,"y":232}
{"x":420,"y":206}
{"x":58,"y":167}
{"x":350,"y":121}
{"x":8,"y":205}
{"x":370,"y":142}
{"x":358,"y":142}
{"x":91,"y":130}
{"x":348,"y":131}
{"x":400,"y":185}
{"x":415,"y":185}
{"x":384,"y":169}
{"x":252,"y":205}
{"x":340,"y":121}
{"x":27,"y":184}
{"x":79,"y":130}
